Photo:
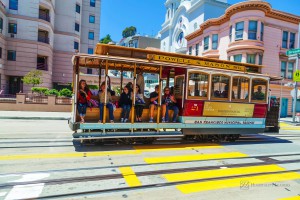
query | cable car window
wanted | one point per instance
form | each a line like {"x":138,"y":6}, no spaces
{"x":259,"y":89}
{"x":198,"y":84}
{"x":240,"y":88}
{"x":179,"y":82}
{"x":220,"y":86}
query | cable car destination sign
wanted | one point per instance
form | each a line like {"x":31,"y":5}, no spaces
{"x":202,"y":63}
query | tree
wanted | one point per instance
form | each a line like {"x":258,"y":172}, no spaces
{"x":106,"y":39}
{"x":129,"y":31}
{"x":33,"y":77}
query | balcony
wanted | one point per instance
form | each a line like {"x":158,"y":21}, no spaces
{"x":44,"y":15}
{"x":43,"y":37}
{"x":42,"y":63}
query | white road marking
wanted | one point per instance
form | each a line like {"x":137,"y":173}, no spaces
{"x":25,"y":191}
{"x":32,"y":177}
{"x":2,"y":194}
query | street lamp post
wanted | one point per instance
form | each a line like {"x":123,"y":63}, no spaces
{"x":296,"y":83}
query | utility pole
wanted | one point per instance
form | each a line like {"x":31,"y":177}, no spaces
{"x":296,"y":83}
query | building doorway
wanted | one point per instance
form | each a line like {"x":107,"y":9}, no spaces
{"x":15,"y":84}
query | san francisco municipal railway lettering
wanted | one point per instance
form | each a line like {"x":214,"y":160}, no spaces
{"x":221,"y":122}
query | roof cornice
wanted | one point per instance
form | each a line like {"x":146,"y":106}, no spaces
{"x":244,"y":6}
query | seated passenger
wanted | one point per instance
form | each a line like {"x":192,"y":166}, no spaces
{"x":216,"y":93}
{"x":129,"y":86}
{"x":258,"y":95}
{"x":125,"y":103}
{"x":109,"y":104}
{"x":139,"y":104}
{"x":83,"y":96}
{"x":169,"y":103}
{"x":153,"y":102}
{"x":225,"y":93}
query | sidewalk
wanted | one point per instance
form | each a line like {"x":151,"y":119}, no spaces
{"x":289,"y":120}
{"x":35,"y":115}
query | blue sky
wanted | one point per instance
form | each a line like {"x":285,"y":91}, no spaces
{"x":148,"y":15}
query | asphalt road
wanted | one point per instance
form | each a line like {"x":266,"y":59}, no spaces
{"x":38,"y":159}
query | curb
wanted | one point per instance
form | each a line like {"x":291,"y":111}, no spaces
{"x":37,"y":118}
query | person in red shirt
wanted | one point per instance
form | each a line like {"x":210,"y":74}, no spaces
{"x":83,"y":96}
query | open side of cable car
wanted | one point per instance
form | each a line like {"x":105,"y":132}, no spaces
{"x":216,"y":99}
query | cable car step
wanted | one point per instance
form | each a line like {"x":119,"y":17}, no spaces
{"x":97,"y":135}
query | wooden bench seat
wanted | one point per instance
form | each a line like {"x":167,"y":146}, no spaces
{"x":93,"y":115}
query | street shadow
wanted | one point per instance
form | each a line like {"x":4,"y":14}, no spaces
{"x":161,"y":144}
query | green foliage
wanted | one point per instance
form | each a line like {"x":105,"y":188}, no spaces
{"x":33,"y":78}
{"x":117,"y":89}
{"x":39,"y":90}
{"x":93,"y":87}
{"x":129,"y":31}
{"x":106,"y":39}
{"x":52,"y":92}
{"x":65,"y":92}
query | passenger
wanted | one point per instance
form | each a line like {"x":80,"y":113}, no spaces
{"x":125,"y":103}
{"x":130,"y":87}
{"x":83,"y":96}
{"x":109,"y":104}
{"x":258,"y":95}
{"x":139,"y":104}
{"x":153,"y":102}
{"x":217,"y":93}
{"x":225,"y":92}
{"x":169,"y":103}
{"x":140,"y":80}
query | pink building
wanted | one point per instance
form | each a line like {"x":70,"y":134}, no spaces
{"x":44,"y":35}
{"x":251,"y":32}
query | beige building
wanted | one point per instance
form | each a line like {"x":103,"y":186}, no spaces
{"x":43,"y":35}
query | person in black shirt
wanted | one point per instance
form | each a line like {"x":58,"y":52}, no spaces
{"x":153,"y":102}
{"x":125,"y":103}
{"x":169,"y":103}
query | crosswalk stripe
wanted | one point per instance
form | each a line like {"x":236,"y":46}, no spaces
{"x":243,"y":183}
{"x":185,"y":176}
{"x":194,"y":157}
{"x":130,"y":177}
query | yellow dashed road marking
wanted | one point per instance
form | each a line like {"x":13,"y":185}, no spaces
{"x":185,"y":176}
{"x":243,"y":182}
{"x":130,"y":177}
{"x":291,"y":198}
{"x":185,"y":158}
{"x":176,"y":147}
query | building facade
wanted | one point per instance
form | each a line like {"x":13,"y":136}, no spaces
{"x":143,"y":42}
{"x":251,"y":32}
{"x":44,"y":35}
{"x":184,"y":17}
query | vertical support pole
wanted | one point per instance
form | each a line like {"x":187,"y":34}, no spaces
{"x":209,"y":86}
{"x":75,"y":89}
{"x":159,"y":95}
{"x":121,"y":79}
{"x":100,"y":74}
{"x":105,"y":98}
{"x":168,"y":79}
{"x":134,"y":90}
{"x":230,"y":88}
{"x":250,"y":91}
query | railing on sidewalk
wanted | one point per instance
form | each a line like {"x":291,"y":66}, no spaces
{"x":38,"y":99}
{"x":63,"y":101}
{"x":7,"y":98}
